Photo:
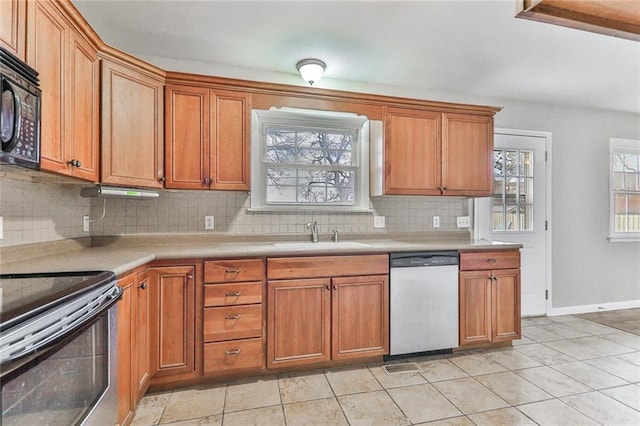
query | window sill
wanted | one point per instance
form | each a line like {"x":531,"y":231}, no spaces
{"x":633,"y":239}
{"x":318,"y":209}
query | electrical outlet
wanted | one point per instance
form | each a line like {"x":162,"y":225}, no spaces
{"x":208,"y":223}
{"x":379,"y":222}
{"x":436,"y":221}
{"x":85,"y":223}
{"x":463,"y":221}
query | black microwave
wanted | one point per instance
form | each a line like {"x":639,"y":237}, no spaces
{"x":20,"y":112}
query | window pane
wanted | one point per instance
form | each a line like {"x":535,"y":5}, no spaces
{"x":512,"y":189}
{"x":511,"y":166}
{"x":631,"y":181}
{"x":526,"y":163}
{"x":618,"y":181}
{"x":498,"y":163}
{"x":526,"y":218}
{"x":498,"y":189}
{"x":497,"y":217}
{"x":526,"y":191}
{"x":633,"y":224}
{"x":631,"y":163}
{"x":618,"y":161}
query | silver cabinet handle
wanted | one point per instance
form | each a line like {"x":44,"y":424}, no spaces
{"x":190,"y":276}
{"x":232,"y":317}
{"x":232,"y":271}
{"x":232,"y":293}
{"x":335,"y":287}
{"x":491,"y":260}
{"x":232,"y":352}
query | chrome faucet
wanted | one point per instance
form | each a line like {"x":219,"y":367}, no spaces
{"x":335,"y":236}
{"x":314,"y":231}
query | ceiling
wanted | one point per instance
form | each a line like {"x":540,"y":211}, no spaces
{"x":464,"y":48}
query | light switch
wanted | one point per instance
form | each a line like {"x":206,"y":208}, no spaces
{"x":379,"y":222}
{"x":208,"y":223}
{"x":436,"y":221}
{"x":463,"y":221}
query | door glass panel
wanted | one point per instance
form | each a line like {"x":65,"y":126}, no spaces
{"x":512,"y":208}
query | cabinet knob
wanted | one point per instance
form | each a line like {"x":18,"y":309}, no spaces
{"x":162,"y":179}
{"x":335,"y":287}
{"x":190,"y":276}
{"x":74,"y":163}
{"x":328,"y":287}
{"x":143,"y":285}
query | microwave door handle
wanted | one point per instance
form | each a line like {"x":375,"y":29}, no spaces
{"x":17,"y":120}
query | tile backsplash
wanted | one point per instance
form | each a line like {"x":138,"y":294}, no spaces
{"x":38,"y":210}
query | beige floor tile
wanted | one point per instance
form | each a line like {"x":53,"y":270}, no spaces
{"x":253,"y":393}
{"x":564,"y":331}
{"x":150,"y":409}
{"x":555,"y":413}
{"x":320,"y":412}
{"x":629,"y":395}
{"x":513,"y":388}
{"x":624,"y":338}
{"x":372,"y":409}
{"x":618,"y":367}
{"x":564,"y":318}
{"x":539,"y":335}
{"x":604,"y":409}
{"x":552,"y":381}
{"x":454,"y":421}
{"x":194,"y":403}
{"x":470,"y":396}
{"x":477,"y":364}
{"x":590,"y":327}
{"x":304,"y":387}
{"x":604,"y":345}
{"x":533,"y":321}
{"x":511,"y":359}
{"x":438,"y":370}
{"x":544,"y":354}
{"x":202,"y":421}
{"x":504,"y":416}
{"x":423,"y":403}
{"x":389,"y":381}
{"x":577,"y":349}
{"x":589,"y":375}
{"x":522,"y":341}
{"x":265,"y":416}
{"x":632,"y":358}
{"x":352,"y":380}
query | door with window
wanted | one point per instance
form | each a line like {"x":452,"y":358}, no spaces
{"x":517,"y":210}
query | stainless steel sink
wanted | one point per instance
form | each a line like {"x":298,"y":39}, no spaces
{"x":308,"y":245}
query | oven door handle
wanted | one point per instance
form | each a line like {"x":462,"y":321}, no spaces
{"x":29,"y":340}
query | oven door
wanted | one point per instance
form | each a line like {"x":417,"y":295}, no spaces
{"x":74,"y":383}
{"x":9,"y":116}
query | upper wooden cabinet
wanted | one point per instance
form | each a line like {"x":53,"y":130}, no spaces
{"x":207,"y":138}
{"x":131,"y":121}
{"x":437,"y":153}
{"x":13,"y":24}
{"x":67,"y":64}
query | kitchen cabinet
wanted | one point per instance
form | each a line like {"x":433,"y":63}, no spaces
{"x":489,"y":297}
{"x":13,"y":24}
{"x":132,"y":121}
{"x":69,"y":78}
{"x":233,"y":315}
{"x":437,"y":153}
{"x":133,"y":344}
{"x":175,"y":326}
{"x":326,"y":308}
{"x":207,"y":138}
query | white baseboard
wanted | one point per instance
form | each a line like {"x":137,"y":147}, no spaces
{"x":583,"y":309}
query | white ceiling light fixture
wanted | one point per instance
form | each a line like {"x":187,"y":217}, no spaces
{"x":311,"y":70}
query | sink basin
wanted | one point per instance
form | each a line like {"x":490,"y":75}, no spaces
{"x":321,"y":245}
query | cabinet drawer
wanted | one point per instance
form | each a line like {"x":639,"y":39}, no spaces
{"x":234,"y":270}
{"x":508,"y":259}
{"x":233,"y":355}
{"x":327,"y":266}
{"x":232,"y":294}
{"x":232,"y":322}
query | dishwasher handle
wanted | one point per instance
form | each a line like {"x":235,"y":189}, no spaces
{"x":429,"y":258}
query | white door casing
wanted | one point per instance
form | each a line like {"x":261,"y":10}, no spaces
{"x":536,"y":243}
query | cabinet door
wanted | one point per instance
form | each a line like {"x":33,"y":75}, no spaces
{"x":172,"y":320}
{"x":82,"y":114}
{"x":187,"y":137}
{"x":412,"y":152}
{"x":141,"y":373}
{"x":47,"y":33}
{"x":126,"y":312}
{"x":298,"y":322}
{"x":230,"y":132}
{"x":467,"y":155}
{"x":13,"y":26}
{"x":132,"y":126}
{"x":360,"y":317}
{"x":505,"y":296}
{"x":475,"y":307}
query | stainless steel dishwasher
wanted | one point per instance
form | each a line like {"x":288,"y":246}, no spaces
{"x":423,"y":302}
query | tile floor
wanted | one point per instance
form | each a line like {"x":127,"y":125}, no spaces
{"x":564,"y":371}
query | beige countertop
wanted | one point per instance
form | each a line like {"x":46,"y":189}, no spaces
{"x":122,"y":254}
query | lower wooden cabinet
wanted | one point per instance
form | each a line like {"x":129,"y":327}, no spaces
{"x":133,"y":346}
{"x":175,"y":329}
{"x":312,"y":320}
{"x":489,"y":298}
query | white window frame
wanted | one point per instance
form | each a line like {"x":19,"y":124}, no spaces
{"x":261,"y":119}
{"x":620,"y":145}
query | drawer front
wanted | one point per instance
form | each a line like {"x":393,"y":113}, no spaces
{"x":508,"y":259}
{"x":232,"y":322}
{"x":327,"y":266}
{"x":232,"y":294}
{"x":233,"y":355}
{"x":234,"y":270}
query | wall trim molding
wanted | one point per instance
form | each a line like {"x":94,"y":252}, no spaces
{"x":583,"y":309}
